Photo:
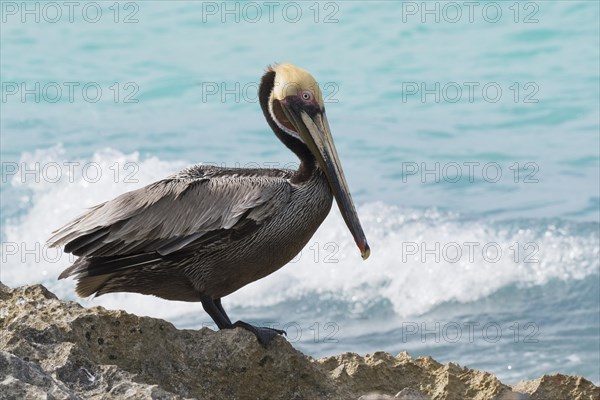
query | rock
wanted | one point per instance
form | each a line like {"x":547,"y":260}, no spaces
{"x":559,"y":386}
{"x":387,"y":374}
{"x":98,"y":353}
{"x":59,"y":350}
{"x":404,"y":394}
{"x":24,"y":379}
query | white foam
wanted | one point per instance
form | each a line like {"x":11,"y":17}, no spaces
{"x":413,"y":285}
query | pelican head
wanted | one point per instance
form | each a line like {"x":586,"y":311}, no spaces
{"x":296,"y":107}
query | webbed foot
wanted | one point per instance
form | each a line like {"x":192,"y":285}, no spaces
{"x":263,"y":334}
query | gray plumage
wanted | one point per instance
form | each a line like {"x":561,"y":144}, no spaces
{"x":203,"y":230}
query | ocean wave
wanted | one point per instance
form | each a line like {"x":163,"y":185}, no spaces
{"x":420,"y":258}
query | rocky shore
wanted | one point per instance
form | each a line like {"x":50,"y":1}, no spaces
{"x":53,"y":349}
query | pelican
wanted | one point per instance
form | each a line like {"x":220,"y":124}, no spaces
{"x":205,"y":232}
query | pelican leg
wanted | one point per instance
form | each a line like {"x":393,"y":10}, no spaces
{"x":220,"y":307}
{"x":216,"y":312}
{"x":214,"y":308}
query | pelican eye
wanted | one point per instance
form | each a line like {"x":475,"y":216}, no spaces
{"x":307,"y":96}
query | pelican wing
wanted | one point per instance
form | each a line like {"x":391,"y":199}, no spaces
{"x":200,"y":206}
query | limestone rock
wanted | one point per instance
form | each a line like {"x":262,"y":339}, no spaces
{"x":98,"y":353}
{"x":57,"y":349}
{"x":387,"y":374}
{"x":559,"y":386}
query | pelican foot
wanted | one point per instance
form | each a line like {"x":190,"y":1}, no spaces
{"x":263,"y":334}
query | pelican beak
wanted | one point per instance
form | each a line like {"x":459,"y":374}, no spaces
{"x":314,"y":131}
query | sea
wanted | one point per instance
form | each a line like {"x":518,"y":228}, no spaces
{"x":469,"y":133}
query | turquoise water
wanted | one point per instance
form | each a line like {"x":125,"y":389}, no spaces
{"x":454,"y":127}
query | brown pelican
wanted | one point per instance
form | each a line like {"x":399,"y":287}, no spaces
{"x":205,"y":232}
